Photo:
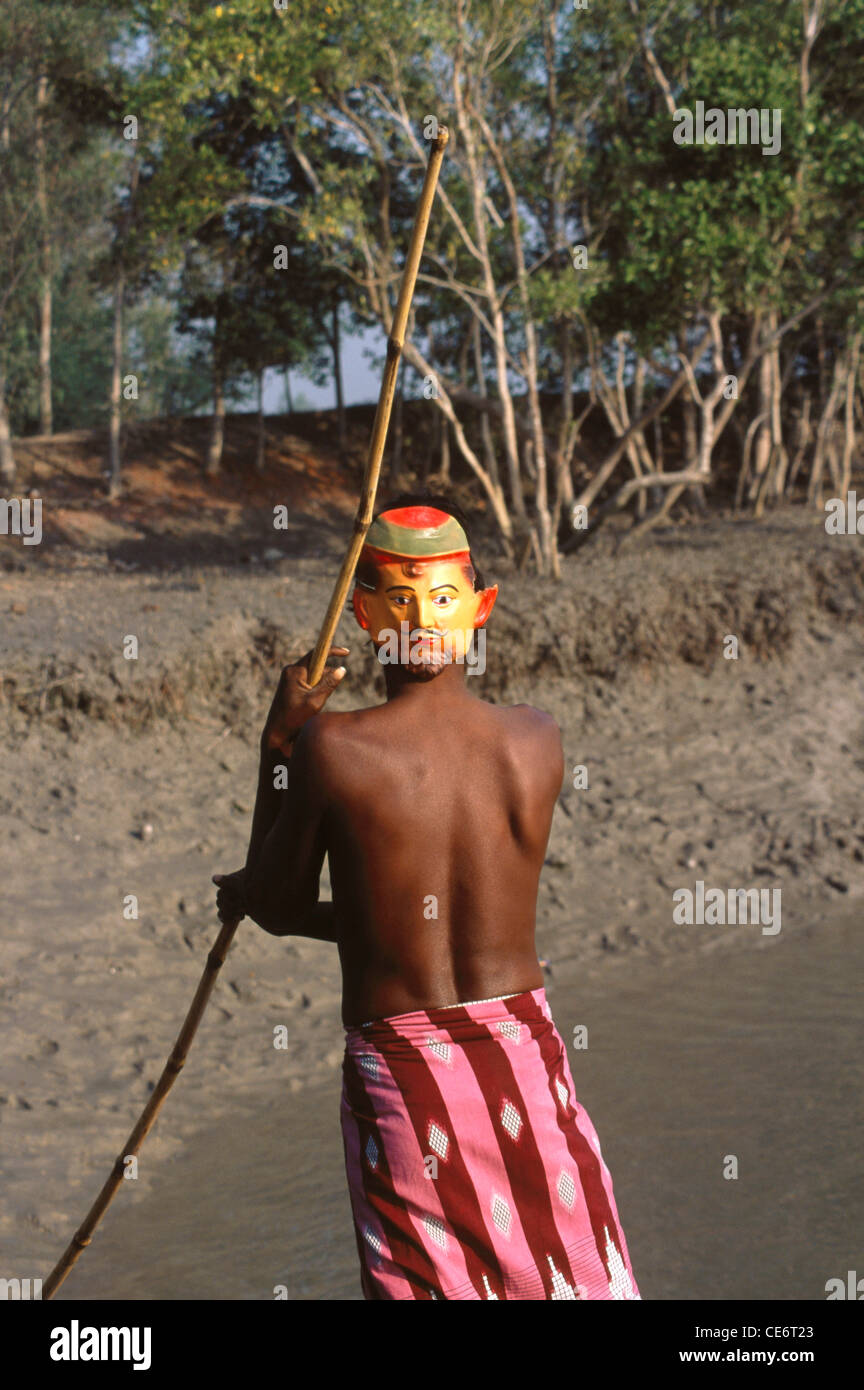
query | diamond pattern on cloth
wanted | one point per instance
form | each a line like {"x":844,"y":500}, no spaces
{"x":566,"y":1189}
{"x":511,"y":1031}
{"x":372,"y":1240}
{"x":441,"y":1050}
{"x":437,"y":1139}
{"x":435,"y":1229}
{"x":372,"y":1151}
{"x":501,"y":1213}
{"x":511,"y":1120}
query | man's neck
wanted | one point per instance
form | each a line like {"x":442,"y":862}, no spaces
{"x":447,"y":685}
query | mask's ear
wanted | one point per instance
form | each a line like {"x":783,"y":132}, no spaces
{"x":358,"y":603}
{"x":485,"y":606}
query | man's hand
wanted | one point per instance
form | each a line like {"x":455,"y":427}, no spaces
{"x":230,"y":899}
{"x":296,"y":701}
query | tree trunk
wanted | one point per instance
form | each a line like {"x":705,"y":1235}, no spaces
{"x":709,"y":401}
{"x":46,"y":423}
{"x":822,"y":359}
{"x":477,"y":185}
{"x":7,"y":458}
{"x":770,"y":460}
{"x":464,"y":352}
{"x":695,"y":491}
{"x":849,"y":415}
{"x":511,"y":445}
{"x":563,"y":476}
{"x":803,"y":439}
{"x":823,"y":432}
{"x":547,"y":539}
{"x":260,"y":432}
{"x":659,"y":447}
{"x":444,"y":469}
{"x":528,"y":460}
{"x":288,"y":397}
{"x":613,"y":398}
{"x":638,"y":399}
{"x":779,"y":455}
{"x":337,"y":378}
{"x":485,"y":427}
{"x":659,"y":459}
{"x":621,"y":397}
{"x":690,"y":441}
{"x":115,"y":404}
{"x":762,"y":444}
{"x":217,"y":429}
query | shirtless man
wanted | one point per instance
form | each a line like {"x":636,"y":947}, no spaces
{"x":434,"y":810}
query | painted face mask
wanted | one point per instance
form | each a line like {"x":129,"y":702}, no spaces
{"x":415,"y":592}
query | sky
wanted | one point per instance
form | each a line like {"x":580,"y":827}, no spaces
{"x":361,"y":380}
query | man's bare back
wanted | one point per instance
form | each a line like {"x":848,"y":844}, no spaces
{"x":438,"y":810}
{"x":434,"y":810}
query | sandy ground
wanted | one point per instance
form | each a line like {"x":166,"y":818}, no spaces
{"x":757,"y":1058}
{"x":136,"y":777}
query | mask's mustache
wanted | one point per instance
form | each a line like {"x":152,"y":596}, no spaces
{"x":423,"y":636}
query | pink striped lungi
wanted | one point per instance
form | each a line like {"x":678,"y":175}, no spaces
{"x":473,"y":1170}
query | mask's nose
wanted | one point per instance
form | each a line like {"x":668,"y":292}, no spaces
{"x":425,"y":612}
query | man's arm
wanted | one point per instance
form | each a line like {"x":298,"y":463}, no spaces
{"x":294,"y":704}
{"x":281,"y":885}
{"x":320,"y":924}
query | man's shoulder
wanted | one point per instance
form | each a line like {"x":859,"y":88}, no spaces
{"x":532,"y":735}
{"x":328,"y":732}
{"x":531,"y":722}
{"x":531,"y":743}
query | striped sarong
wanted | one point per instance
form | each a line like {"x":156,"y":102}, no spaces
{"x":474,"y":1172}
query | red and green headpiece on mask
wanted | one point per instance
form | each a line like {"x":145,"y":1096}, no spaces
{"x":421,"y":533}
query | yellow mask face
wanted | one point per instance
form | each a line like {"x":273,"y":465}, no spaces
{"x":429,"y":606}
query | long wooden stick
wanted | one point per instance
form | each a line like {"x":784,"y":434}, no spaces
{"x":395,"y":341}
{"x":215,"y":959}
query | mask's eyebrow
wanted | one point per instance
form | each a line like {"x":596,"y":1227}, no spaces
{"x":438,"y":587}
{"x":400,"y":588}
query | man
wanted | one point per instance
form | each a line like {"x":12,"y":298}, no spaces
{"x":473,"y":1170}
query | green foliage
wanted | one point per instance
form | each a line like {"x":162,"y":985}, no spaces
{"x":260,"y":128}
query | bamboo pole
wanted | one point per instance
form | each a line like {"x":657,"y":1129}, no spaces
{"x":395,"y":341}
{"x":362,"y":521}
